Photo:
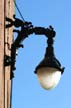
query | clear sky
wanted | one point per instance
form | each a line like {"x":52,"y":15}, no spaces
{"x":27,"y":92}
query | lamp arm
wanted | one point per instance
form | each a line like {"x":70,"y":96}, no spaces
{"x":26,"y":29}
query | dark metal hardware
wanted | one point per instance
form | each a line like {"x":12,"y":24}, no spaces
{"x":26,"y":29}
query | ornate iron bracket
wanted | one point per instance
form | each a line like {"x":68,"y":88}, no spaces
{"x":26,"y":29}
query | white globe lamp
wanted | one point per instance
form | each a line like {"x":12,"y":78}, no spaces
{"x":48,"y":77}
{"x":49,"y":72}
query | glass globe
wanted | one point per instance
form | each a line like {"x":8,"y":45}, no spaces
{"x":48,"y":77}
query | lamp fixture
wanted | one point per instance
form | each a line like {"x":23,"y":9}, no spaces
{"x":49,"y":70}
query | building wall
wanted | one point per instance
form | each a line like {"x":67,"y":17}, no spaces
{"x":2,"y":53}
{"x":6,"y":39}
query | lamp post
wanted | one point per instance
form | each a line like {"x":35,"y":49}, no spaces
{"x":49,"y":70}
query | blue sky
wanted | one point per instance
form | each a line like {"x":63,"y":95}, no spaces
{"x":27,"y":92}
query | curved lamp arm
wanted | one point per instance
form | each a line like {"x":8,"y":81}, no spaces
{"x":27,"y":29}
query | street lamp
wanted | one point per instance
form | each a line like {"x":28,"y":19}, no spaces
{"x":49,"y":71}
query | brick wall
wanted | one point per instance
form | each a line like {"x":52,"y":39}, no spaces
{"x":6,"y":36}
{"x":2,"y":53}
